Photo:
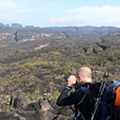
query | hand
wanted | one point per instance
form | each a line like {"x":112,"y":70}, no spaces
{"x":71,"y":80}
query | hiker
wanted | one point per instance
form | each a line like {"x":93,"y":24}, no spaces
{"x":81,"y":78}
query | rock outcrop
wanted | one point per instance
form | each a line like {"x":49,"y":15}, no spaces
{"x":43,"y":110}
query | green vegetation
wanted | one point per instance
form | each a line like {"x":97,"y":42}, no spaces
{"x":41,"y":73}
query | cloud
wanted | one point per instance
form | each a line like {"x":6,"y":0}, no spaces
{"x":106,"y":15}
{"x":10,"y":4}
{"x":13,"y":11}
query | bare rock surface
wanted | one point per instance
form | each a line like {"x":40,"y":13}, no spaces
{"x":43,"y":110}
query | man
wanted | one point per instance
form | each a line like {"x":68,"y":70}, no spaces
{"x":78,"y":97}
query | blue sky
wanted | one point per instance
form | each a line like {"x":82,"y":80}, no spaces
{"x":47,"y":13}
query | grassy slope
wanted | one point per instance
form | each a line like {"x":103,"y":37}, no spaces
{"x":34,"y":73}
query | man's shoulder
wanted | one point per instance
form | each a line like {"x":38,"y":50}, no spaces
{"x":79,"y":92}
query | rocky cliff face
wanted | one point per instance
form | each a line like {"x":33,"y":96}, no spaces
{"x":31,"y":33}
{"x":38,"y":34}
{"x":6,"y":35}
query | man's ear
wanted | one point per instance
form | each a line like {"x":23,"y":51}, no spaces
{"x":80,"y":78}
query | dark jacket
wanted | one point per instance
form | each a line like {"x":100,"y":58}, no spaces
{"x":75,"y":98}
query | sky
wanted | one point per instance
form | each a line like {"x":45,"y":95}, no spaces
{"x":60,"y":13}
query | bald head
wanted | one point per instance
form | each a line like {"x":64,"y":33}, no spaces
{"x":85,"y":74}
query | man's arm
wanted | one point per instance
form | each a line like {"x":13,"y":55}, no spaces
{"x":68,"y":99}
{"x":63,"y":95}
{"x":67,"y":89}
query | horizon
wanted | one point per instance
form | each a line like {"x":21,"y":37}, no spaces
{"x":60,"y":13}
{"x":10,"y":25}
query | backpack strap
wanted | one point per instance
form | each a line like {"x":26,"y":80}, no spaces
{"x":85,"y":90}
{"x":87,"y":93}
{"x":104,"y":107}
{"x":79,"y":115}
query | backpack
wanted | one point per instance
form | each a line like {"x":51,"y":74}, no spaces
{"x":107,"y":104}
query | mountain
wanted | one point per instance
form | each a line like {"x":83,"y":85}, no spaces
{"x":30,"y":37}
{"x":30,"y":33}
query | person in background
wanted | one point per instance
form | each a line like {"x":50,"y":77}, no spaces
{"x":77,"y":98}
